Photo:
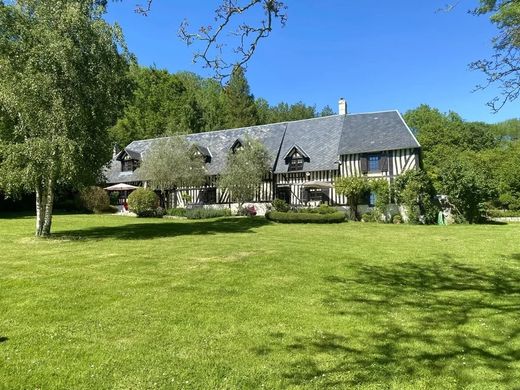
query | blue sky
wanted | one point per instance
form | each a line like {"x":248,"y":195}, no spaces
{"x":379,"y":55}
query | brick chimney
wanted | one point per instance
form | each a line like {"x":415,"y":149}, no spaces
{"x":342,"y":106}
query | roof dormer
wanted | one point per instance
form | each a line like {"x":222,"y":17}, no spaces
{"x":295,"y":158}
{"x":203,"y":152}
{"x":237,"y":145}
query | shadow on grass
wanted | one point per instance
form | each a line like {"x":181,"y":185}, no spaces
{"x":444,"y":321}
{"x":3,"y":339}
{"x":165,"y":228}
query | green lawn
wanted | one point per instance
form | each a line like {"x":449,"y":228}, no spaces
{"x":121,"y":303}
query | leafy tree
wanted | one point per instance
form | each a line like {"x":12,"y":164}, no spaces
{"x":161,"y":105}
{"x":468,"y":184}
{"x":327,"y":111}
{"x":353,"y":187}
{"x":383,"y":191}
{"x":508,"y":130}
{"x":504,"y":66}
{"x":171,"y":163}
{"x":239,"y":103}
{"x":244,"y":171}
{"x":63,"y":84}
{"x":414,"y":190}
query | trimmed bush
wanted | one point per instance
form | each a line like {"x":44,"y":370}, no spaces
{"x":281,"y":205}
{"x":144,"y":202}
{"x":201,"y":213}
{"x":95,"y":199}
{"x":305,"y":217}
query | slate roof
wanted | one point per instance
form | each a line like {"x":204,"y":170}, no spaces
{"x":378,"y":131}
{"x":323,"y":140}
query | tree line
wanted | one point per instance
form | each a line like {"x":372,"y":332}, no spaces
{"x":164,"y":104}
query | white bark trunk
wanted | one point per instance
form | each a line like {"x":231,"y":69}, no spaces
{"x":44,"y":205}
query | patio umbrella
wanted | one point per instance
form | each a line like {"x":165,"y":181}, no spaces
{"x":121,"y":187}
{"x":317,"y":184}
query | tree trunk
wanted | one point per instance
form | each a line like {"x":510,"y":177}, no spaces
{"x":39,"y":211}
{"x":44,"y":205}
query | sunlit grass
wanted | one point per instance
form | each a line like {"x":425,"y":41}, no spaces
{"x":115,"y":302}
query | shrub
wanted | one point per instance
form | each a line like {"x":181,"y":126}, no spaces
{"x":200,"y":213}
{"x":281,"y":205}
{"x":397,"y":219}
{"x":247,"y":211}
{"x":369,"y":217}
{"x":177,"y":212}
{"x":305,"y":217}
{"x":114,"y":198}
{"x":326,"y":209}
{"x":143,"y":202}
{"x":95,"y":199}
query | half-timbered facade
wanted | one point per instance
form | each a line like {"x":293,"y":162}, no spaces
{"x":306,"y":157}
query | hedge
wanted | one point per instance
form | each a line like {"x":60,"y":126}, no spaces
{"x":201,"y":213}
{"x":277,"y":216}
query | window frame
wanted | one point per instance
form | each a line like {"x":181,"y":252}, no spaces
{"x":372,"y":159}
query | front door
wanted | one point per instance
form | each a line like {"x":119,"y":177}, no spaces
{"x":284,"y":193}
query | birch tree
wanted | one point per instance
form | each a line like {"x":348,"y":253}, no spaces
{"x":63,"y":84}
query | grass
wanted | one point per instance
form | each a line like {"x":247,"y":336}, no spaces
{"x":120,"y":303}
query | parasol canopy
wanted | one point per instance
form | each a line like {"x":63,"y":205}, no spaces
{"x":317,"y":184}
{"x":121,"y":187}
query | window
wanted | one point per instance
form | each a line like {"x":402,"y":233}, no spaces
{"x":372,"y":199}
{"x":315,"y":194}
{"x":296,"y":162}
{"x":128,"y":166}
{"x":373,"y":163}
{"x":208,"y":195}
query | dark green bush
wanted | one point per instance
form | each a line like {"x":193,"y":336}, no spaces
{"x":177,"y":212}
{"x":303,"y":217}
{"x":95,"y":199}
{"x":114,"y":198}
{"x":144,"y":202}
{"x":281,"y":205}
{"x":200,"y":213}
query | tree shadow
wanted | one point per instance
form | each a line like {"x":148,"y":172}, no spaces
{"x":164,"y":228}
{"x":3,"y":339}
{"x":515,"y":256}
{"x":443,"y":320}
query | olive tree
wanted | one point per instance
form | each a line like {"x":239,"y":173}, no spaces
{"x":171,"y":163}
{"x":353,"y":187}
{"x":245,"y":170}
{"x":63,"y":72}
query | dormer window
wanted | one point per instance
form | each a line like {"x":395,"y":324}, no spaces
{"x":295,"y":159}
{"x":203,"y":152}
{"x":296,"y":163}
{"x":129,"y":160}
{"x":237,"y":145}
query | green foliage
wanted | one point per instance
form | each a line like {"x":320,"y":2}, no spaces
{"x":281,"y":205}
{"x":468,"y":184}
{"x":161,"y":105}
{"x":507,"y":130}
{"x":353,"y":187}
{"x":114,"y":198}
{"x":397,"y":219}
{"x":143,"y":202}
{"x":171,"y":163}
{"x":202,"y":213}
{"x":306,"y":217}
{"x":239,"y":103}
{"x":63,"y":84}
{"x":382,"y":189}
{"x":95,"y":199}
{"x":245,"y":170}
{"x":176,"y":212}
{"x":369,"y":216}
{"x":415,"y":191}
{"x":283,"y":112}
